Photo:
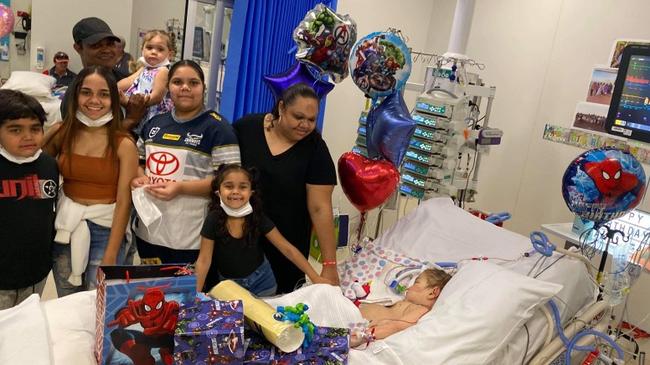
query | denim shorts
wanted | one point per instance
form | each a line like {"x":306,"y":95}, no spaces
{"x":260,"y":282}
{"x":62,"y":267}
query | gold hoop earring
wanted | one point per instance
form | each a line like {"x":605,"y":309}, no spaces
{"x":268,"y":121}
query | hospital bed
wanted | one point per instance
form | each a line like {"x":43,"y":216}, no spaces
{"x":493,"y":311}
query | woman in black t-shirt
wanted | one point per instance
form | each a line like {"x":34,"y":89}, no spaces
{"x":297,"y":177}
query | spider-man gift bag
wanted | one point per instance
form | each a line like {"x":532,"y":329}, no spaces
{"x":137,"y":311}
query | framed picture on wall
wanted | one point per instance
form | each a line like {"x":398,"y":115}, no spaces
{"x":619,"y":46}
{"x":601,"y":85}
{"x":591,"y":116}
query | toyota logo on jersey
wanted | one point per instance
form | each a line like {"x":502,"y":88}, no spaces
{"x":162,"y":163}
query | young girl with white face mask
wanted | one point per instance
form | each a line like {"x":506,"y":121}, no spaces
{"x":97,"y":160}
{"x":151,"y":78}
{"x":229,"y":245}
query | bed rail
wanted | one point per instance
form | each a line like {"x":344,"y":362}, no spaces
{"x":555,"y":347}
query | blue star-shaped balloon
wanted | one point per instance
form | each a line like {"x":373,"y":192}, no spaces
{"x":298,"y":73}
{"x":389,"y":128}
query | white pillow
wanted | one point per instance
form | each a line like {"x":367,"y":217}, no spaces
{"x":71,"y":324}
{"x":23,"y":334}
{"x":437,"y":230}
{"x":31,"y":83}
{"x":477,"y":314}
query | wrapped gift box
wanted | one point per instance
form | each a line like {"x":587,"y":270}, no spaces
{"x":329,"y":347}
{"x":210,"y":332}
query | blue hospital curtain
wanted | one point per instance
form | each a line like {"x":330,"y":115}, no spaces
{"x":260,"y":43}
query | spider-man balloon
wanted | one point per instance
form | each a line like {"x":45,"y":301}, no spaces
{"x":603,"y":184}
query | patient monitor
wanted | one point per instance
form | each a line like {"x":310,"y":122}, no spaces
{"x":442,"y":156}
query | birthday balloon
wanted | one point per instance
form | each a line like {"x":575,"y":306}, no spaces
{"x":6,"y":20}
{"x":389,"y":128}
{"x":367,"y":183}
{"x":298,"y":73}
{"x":603,"y":184}
{"x":380,"y":63}
{"x":324,"y":40}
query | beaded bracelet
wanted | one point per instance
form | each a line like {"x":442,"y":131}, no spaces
{"x":330,"y":262}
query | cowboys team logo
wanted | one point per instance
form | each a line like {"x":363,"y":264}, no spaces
{"x":162,"y":163}
{"x":153,"y":131}
{"x":193,"y":139}
{"x":48,"y":188}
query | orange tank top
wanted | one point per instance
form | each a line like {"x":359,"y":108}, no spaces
{"x":93,"y":178}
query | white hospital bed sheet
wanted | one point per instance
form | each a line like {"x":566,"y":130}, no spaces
{"x":71,"y":326}
{"x":438,"y":230}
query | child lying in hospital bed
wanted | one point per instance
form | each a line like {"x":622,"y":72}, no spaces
{"x":385,"y":321}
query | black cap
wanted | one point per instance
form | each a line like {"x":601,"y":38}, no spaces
{"x":92,"y":30}
{"x":61,"y":56}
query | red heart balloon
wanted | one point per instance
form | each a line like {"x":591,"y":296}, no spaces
{"x":367,"y":183}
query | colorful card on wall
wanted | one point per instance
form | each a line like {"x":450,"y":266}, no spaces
{"x":590,"y":116}
{"x":601,"y":85}
{"x":587,"y":140}
{"x":619,"y":46}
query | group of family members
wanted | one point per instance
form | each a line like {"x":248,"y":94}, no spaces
{"x":174,"y":160}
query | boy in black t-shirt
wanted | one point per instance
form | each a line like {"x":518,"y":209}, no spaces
{"x":28,"y":190}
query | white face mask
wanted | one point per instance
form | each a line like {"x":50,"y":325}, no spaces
{"x":245,"y":210}
{"x":19,"y":160}
{"x":83,"y":118}
{"x":161,"y":64}
{"x":148,"y":212}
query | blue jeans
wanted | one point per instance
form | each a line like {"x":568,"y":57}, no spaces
{"x":260,"y":282}
{"x":62,"y":268}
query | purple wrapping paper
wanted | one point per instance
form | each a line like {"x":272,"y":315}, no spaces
{"x":210,"y":332}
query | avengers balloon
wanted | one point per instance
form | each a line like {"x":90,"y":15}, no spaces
{"x":380,"y":63}
{"x":603,"y":184}
{"x":324,"y":40}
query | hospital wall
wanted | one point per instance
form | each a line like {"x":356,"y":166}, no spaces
{"x":539,"y":55}
{"x":152,"y":14}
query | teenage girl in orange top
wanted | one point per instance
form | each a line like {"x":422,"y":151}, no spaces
{"x":97,"y":160}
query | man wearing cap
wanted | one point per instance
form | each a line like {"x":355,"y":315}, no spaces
{"x":60,"y":72}
{"x":97,"y":46}
{"x":95,"y":42}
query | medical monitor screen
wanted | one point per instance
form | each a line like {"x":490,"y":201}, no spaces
{"x":629,"y":112}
